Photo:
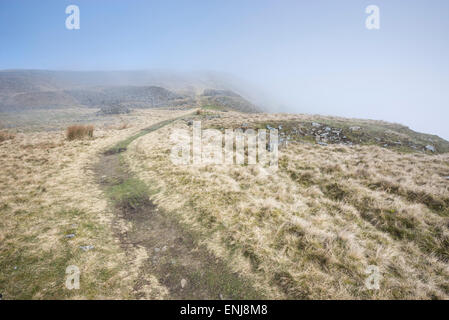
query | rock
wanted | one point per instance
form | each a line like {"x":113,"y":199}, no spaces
{"x":328,"y":129}
{"x":15,"y":268}
{"x":430,"y":148}
{"x":190,"y":122}
{"x":164,"y":248}
{"x":280,"y":127}
{"x":157,"y":249}
{"x":113,"y":109}
{"x":86,"y":248}
{"x":447,"y":178}
{"x":356,"y":128}
{"x":221,"y":297}
{"x":183,"y":283}
{"x":322,"y":143}
{"x":70,"y":236}
{"x":316,"y":124}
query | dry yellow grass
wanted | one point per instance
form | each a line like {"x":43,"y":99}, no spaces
{"x":47,"y":191}
{"x":79,"y":132}
{"x":5,"y":135}
{"x":311,"y":229}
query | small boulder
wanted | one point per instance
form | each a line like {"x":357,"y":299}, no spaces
{"x":430,"y":148}
{"x":87,"y":248}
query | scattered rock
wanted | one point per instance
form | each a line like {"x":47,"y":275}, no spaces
{"x":356,"y":128}
{"x":70,"y":236}
{"x":157,"y":249}
{"x":316,"y":124}
{"x":183,"y":283}
{"x":221,"y":297}
{"x":322,"y":143}
{"x":113,"y":109}
{"x":430,"y":148}
{"x":164,"y":248}
{"x":86,"y":248}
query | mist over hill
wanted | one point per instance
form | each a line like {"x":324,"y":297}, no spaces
{"x":24,"y":89}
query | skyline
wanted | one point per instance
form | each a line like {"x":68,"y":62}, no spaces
{"x":309,"y":57}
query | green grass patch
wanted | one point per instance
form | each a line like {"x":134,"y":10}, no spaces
{"x":130,"y":194}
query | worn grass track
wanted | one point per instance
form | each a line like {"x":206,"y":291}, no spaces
{"x":183,"y":266}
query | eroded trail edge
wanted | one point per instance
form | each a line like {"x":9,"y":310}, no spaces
{"x":184,"y":267}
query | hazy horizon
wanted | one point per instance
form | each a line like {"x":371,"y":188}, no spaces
{"x":314,"y":58}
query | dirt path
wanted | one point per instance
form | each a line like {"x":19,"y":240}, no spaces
{"x":188,"y":270}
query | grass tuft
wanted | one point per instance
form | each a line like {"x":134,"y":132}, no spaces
{"x":79,"y":132}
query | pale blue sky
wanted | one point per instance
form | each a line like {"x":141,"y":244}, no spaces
{"x":311,"y":56}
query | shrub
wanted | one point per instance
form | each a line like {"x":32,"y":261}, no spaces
{"x":79,"y":132}
{"x":5,"y":135}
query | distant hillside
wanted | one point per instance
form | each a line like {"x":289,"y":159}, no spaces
{"x":35,"y":89}
{"x":226,"y":100}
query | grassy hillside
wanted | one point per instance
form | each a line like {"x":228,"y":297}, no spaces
{"x":311,"y":229}
{"x":340,"y":202}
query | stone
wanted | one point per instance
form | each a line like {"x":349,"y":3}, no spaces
{"x":70,"y":236}
{"x":316,"y":124}
{"x":356,"y":128}
{"x":430,"y":148}
{"x":183,"y":283}
{"x":87,"y":248}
